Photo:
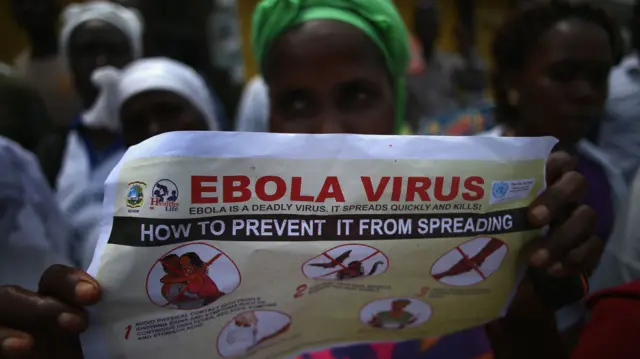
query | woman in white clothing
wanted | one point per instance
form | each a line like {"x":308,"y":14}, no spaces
{"x":253,"y":109}
{"x":94,"y":35}
{"x":35,"y":232}
{"x":153,"y":96}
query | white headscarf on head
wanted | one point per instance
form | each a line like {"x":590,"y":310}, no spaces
{"x":125,"y":19}
{"x":6,"y":69}
{"x":168,"y":75}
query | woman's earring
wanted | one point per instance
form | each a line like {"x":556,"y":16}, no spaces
{"x":514,"y":97}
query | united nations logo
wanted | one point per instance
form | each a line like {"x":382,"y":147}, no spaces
{"x":135,"y":194}
{"x":500,"y":189}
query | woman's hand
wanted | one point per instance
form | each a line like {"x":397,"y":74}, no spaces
{"x":570,"y":247}
{"x":46,"y":324}
{"x":528,"y":331}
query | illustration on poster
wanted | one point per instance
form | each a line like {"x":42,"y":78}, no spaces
{"x":191,"y":276}
{"x":346,"y":262}
{"x":165,"y":194}
{"x":395,"y":313}
{"x":250,"y":329}
{"x":135,"y":196}
{"x":471,"y":262}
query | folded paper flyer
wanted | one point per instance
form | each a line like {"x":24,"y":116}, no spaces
{"x":257,"y":245}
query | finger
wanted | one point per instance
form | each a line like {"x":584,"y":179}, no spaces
{"x":574,"y":231}
{"x":567,"y":190}
{"x":571,"y":234}
{"x":69,"y":285}
{"x":583,"y":259}
{"x":14,"y":344}
{"x":559,"y":163}
{"x":24,"y":310}
{"x":563,"y":239}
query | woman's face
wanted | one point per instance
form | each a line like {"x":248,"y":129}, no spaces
{"x":563,"y":88}
{"x":151,"y":113}
{"x":328,"y":77}
{"x":94,"y":44}
{"x":185,"y":264}
{"x":172,"y":264}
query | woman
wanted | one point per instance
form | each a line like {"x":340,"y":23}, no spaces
{"x":291,"y":41}
{"x":159,"y":95}
{"x":320,"y":82}
{"x":94,"y":35}
{"x":153,"y":96}
{"x":552,"y":66}
{"x":36,"y":233}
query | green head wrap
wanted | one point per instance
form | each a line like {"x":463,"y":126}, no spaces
{"x":378,"y":19}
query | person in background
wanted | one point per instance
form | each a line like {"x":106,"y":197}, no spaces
{"x":549,"y":81}
{"x":183,"y":33}
{"x":41,"y":64}
{"x":94,"y":35}
{"x":614,"y":321}
{"x":253,"y":109}
{"x":158,"y":95}
{"x":153,"y":96}
{"x":23,"y":114}
{"x":619,"y":132}
{"x":552,"y":65}
{"x":35,"y":232}
{"x":614,"y":324}
{"x":465,"y":122}
{"x":447,"y":82}
{"x":330,"y":69}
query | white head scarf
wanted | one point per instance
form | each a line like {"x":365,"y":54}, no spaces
{"x":6,"y":69}
{"x":169,"y":75}
{"x":125,"y":19}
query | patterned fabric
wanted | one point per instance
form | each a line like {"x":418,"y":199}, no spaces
{"x":469,"y":344}
{"x":468,"y":122}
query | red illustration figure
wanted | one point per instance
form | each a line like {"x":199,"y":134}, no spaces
{"x":193,"y":273}
{"x":466,"y":264}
